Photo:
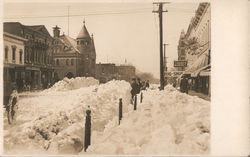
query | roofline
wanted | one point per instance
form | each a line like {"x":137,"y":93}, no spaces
{"x":15,"y":36}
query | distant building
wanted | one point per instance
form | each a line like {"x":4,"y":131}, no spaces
{"x":14,"y":68}
{"x":105,"y":72}
{"x":182,"y":50}
{"x":108,"y":71}
{"x":74,"y":57}
{"x":38,"y":56}
{"x":125,"y":72}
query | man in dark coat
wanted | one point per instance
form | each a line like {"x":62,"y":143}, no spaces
{"x":147,"y":84}
{"x":139,"y":85}
{"x":184,"y":85}
{"x":134,"y":87}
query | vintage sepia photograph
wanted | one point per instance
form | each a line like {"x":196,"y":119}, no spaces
{"x":107,"y":78}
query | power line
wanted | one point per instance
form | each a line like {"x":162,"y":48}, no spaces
{"x":58,"y":16}
{"x":119,"y":12}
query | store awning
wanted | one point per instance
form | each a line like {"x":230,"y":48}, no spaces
{"x":206,"y":72}
{"x":198,"y":65}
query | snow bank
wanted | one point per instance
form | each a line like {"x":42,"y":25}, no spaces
{"x":73,"y":83}
{"x":54,"y":120}
{"x":167,"y":122}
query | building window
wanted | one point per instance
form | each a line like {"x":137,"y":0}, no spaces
{"x":6,"y":49}
{"x":57,"y":62}
{"x":72,"y":61}
{"x":13,"y":52}
{"x":67,"y":62}
{"x":21,"y":56}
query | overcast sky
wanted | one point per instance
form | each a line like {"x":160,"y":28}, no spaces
{"x":121,"y":30}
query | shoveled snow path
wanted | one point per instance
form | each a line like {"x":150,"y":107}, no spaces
{"x":167,"y":122}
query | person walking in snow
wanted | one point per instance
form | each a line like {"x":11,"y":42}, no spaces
{"x":143,"y":85}
{"x":139,"y":85}
{"x":147,"y":84}
{"x":12,"y":105}
{"x":184,"y":85}
{"x":134,"y":87}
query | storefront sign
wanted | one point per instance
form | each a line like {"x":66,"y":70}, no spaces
{"x":174,"y":73}
{"x":180,"y":63}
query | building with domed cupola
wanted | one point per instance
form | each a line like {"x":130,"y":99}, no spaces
{"x":74,"y":57}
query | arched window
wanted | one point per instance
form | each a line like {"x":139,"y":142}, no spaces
{"x":6,"y":49}
{"x":21,"y":56}
{"x":57,"y":62}
{"x":72,"y":61}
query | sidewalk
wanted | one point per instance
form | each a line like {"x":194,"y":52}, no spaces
{"x":201,"y":95}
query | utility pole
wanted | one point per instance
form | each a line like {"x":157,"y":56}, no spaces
{"x":165,"y":63}
{"x":160,"y":11}
{"x":164,"y":56}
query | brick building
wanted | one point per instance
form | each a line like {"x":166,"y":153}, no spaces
{"x":109,"y":71}
{"x":74,"y":57}
{"x":14,"y":68}
{"x":38,"y":56}
{"x":105,"y":72}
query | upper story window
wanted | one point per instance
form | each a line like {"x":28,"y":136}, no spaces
{"x":21,"y":56}
{"x":13,"y":52}
{"x":67,"y":62}
{"x":6,"y":49}
{"x":72,"y":61}
{"x":57,"y":62}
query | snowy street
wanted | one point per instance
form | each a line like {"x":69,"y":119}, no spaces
{"x":52,"y":121}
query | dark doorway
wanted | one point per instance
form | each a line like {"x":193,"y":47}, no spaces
{"x":70,"y":75}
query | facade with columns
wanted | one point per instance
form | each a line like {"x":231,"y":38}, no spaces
{"x":38,"y":57}
{"x":73,"y":57}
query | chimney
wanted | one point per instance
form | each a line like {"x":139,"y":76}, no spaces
{"x":56,"y":31}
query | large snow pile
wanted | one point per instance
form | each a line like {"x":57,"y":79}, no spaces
{"x":53,"y":121}
{"x":73,"y":83}
{"x":167,"y":122}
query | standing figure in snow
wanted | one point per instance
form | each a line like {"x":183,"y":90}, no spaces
{"x":139,"y":84}
{"x":174,"y":84}
{"x":134,"y":90}
{"x":12,"y":105}
{"x":184,"y":85}
{"x":143,"y":85}
{"x":147,"y":84}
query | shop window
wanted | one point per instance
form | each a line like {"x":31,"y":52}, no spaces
{"x":72,"y":61}
{"x":13,"y":52}
{"x":57,"y":62}
{"x":67,"y":62}
{"x":21,"y":56}
{"x":6,"y":49}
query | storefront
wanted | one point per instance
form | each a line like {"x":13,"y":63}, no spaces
{"x":200,"y":74}
{"x":32,"y":77}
